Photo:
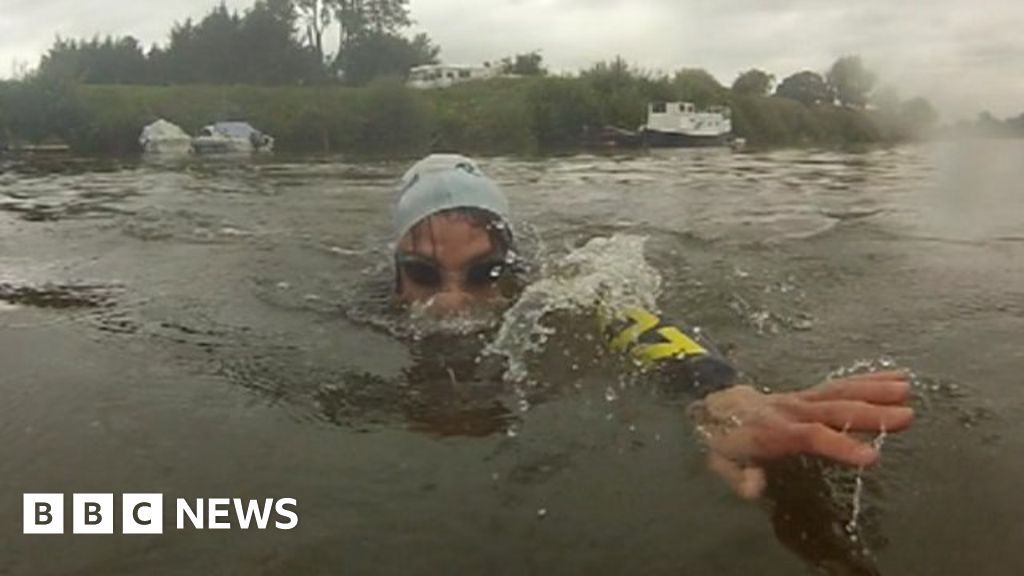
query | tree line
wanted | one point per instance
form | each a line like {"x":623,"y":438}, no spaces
{"x":274,"y":42}
{"x":282,"y":42}
{"x":98,"y":93}
{"x":847,"y":83}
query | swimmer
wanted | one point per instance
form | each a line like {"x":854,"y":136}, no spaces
{"x":454,"y":253}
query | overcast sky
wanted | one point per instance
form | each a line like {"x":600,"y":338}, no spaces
{"x":965,"y":55}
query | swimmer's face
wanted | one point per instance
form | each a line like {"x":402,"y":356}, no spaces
{"x":450,"y":262}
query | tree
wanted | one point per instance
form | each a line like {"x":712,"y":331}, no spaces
{"x":317,"y":15}
{"x":387,"y":16}
{"x":268,"y":48}
{"x":622,"y":92}
{"x":1016,"y":125}
{"x":203,"y":52}
{"x":379,"y":55}
{"x":528,"y":64}
{"x":110,"y":61}
{"x":42,"y":107}
{"x":851,"y":81}
{"x":886,"y":99}
{"x":358,"y":19}
{"x":371,"y":41}
{"x":754,"y":82}
{"x":987,"y":124}
{"x":919,"y":114}
{"x":259,"y":47}
{"x":698,"y":86}
{"x":806,"y":87}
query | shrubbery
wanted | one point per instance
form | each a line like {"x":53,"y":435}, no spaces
{"x":500,"y":116}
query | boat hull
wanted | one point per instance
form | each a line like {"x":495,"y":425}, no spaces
{"x":167,"y":147}
{"x":658,"y":139}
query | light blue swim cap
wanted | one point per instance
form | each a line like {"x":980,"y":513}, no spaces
{"x":444,"y":182}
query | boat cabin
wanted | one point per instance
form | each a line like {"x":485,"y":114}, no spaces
{"x":683,"y":118}
{"x":444,"y":75}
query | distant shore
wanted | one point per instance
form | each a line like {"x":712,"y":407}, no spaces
{"x":501,"y":116}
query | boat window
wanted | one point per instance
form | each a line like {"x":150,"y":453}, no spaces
{"x":463,"y":73}
{"x":659,"y":108}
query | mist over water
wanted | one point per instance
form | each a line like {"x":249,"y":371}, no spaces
{"x":225,"y":329}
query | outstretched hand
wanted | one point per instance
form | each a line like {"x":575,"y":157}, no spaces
{"x":744,"y":427}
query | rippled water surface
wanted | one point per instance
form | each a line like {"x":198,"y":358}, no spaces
{"x":207,"y":329}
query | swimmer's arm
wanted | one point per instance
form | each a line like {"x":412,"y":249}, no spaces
{"x":744,"y":428}
{"x":682,"y":358}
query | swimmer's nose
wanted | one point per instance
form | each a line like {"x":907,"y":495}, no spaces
{"x":452,"y":300}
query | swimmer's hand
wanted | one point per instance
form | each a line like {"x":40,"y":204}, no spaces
{"x":744,"y":427}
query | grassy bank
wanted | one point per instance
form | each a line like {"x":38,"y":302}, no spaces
{"x":503,"y":116}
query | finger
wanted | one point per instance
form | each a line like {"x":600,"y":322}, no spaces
{"x":884,"y":375}
{"x":823,"y":441}
{"x":853,"y":415}
{"x":748,"y":483}
{"x":875,"y":391}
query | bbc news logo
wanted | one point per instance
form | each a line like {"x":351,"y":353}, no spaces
{"x":144,"y":514}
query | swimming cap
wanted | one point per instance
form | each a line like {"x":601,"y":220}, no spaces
{"x":444,"y":182}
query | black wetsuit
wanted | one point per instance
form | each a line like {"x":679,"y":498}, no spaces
{"x":689,"y":361}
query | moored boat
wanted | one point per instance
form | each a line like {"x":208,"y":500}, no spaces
{"x":681,"y":124}
{"x":163,"y":137}
{"x":231,"y":137}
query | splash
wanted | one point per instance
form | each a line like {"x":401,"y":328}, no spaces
{"x":423,"y":322}
{"x":864,"y":366}
{"x":606,"y":273}
{"x":858,"y":490}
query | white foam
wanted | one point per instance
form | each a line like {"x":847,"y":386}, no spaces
{"x":609,"y":273}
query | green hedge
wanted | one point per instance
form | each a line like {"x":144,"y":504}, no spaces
{"x":500,"y":116}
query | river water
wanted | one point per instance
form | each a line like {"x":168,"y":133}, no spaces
{"x":220,"y":329}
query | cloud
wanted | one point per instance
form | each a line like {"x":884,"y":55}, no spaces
{"x":962,"y":55}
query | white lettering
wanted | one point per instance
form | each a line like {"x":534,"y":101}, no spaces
{"x":185,"y":510}
{"x":253,"y":510}
{"x":43,"y":514}
{"x":144,"y":514}
{"x":93,"y":514}
{"x":283,"y":511}
{"x":218,"y":508}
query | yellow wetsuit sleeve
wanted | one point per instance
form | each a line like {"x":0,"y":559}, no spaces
{"x":655,"y":343}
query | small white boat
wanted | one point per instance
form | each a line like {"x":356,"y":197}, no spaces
{"x":163,"y":137}
{"x":681,"y":124}
{"x":231,"y":137}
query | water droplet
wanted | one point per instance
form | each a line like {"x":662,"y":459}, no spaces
{"x":610,"y":394}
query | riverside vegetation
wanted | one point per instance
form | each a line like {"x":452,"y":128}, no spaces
{"x":268,"y":66}
{"x":500,"y":116}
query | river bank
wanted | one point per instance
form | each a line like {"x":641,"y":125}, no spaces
{"x":502,"y":116}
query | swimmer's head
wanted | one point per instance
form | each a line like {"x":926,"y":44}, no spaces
{"x":454,"y":243}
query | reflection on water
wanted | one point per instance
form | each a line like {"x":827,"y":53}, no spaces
{"x":200,"y":312}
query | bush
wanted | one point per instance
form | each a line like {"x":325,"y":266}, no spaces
{"x":561,"y":109}
{"x":499,"y":116}
{"x":393,"y":119}
{"x":38,"y":110}
{"x":491,"y":117}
